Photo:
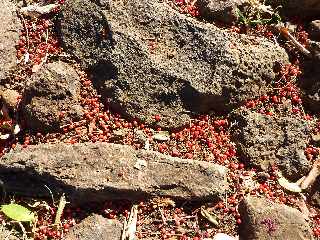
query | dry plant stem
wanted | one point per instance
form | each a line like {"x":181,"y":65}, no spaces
{"x":284,"y":31}
{"x":162,"y":216}
{"x":312,"y":176}
{"x":24,"y":233}
{"x":26,"y":29}
{"x":61,"y":206}
{"x":130,"y":226}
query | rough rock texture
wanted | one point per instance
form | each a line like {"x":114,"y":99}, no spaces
{"x":224,"y":11}
{"x":265,"y":140}
{"x":9,"y":35}
{"x":95,"y":227}
{"x":310,"y":84}
{"x":301,"y":8}
{"x":99,"y":171}
{"x":264,"y":220}
{"x":314,"y":30}
{"x":52,"y":90}
{"x":147,"y":59}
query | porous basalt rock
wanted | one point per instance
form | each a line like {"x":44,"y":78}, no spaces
{"x":146,"y":59}
{"x":265,"y":140}
{"x":51,"y":98}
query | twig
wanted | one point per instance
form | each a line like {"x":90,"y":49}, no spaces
{"x":26,"y":29}
{"x":285,"y":32}
{"x":50,"y":194}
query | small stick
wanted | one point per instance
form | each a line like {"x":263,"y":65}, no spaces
{"x":285,"y":32}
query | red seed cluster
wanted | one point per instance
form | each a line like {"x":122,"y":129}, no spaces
{"x":186,"y":7}
{"x":38,"y":41}
{"x":283,"y":89}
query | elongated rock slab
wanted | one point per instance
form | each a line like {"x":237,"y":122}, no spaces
{"x":100,"y":171}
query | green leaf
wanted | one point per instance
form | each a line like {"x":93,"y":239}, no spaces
{"x":242,"y":18}
{"x":18,"y":213}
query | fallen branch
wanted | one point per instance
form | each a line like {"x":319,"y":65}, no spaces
{"x":312,"y":176}
{"x":285,"y":32}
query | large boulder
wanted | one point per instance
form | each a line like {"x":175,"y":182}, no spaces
{"x":266,"y":140}
{"x":100,"y":171}
{"x":147,"y":59}
{"x":9,"y":36}
{"x":52,"y":98}
{"x":264,"y":220}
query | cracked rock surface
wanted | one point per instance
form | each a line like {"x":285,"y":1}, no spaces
{"x":101,"y":171}
{"x":147,"y":59}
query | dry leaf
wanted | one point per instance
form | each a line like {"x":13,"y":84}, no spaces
{"x":211,"y":217}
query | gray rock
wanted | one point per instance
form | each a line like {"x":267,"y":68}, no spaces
{"x":9,"y":36}
{"x":52,"y":90}
{"x":100,"y":171}
{"x":264,"y":140}
{"x":95,"y":227}
{"x":314,"y":30}
{"x":194,"y":66}
{"x":264,"y":220}
{"x":217,"y":10}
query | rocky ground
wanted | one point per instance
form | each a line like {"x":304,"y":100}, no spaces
{"x":164,"y":119}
